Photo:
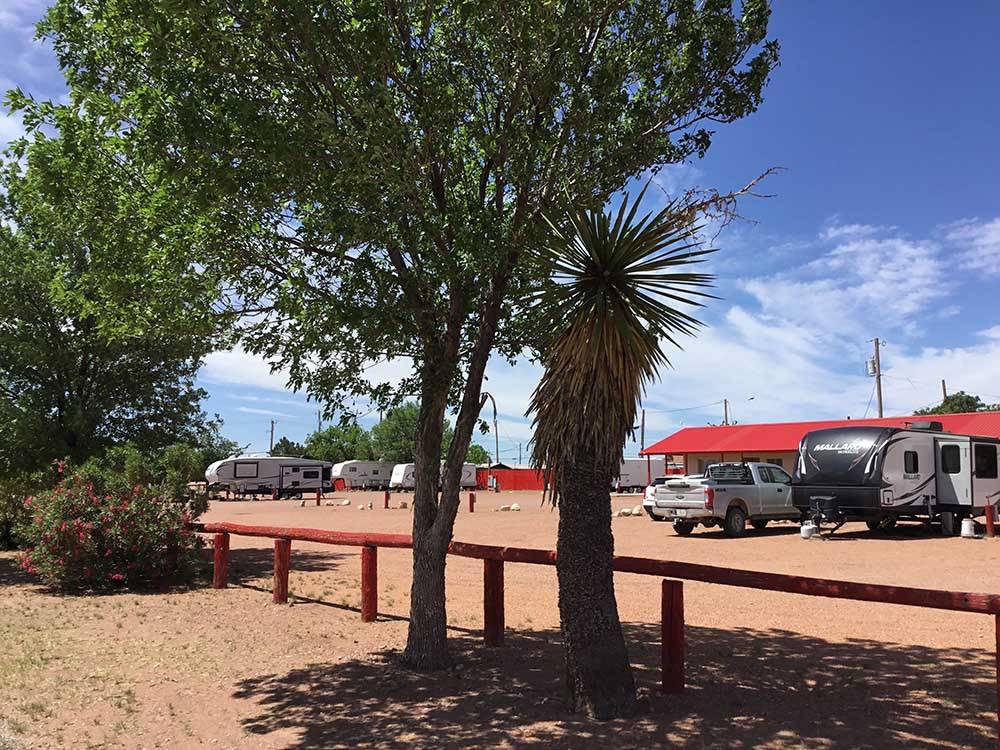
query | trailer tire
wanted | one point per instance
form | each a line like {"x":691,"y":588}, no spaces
{"x":888,"y":523}
{"x":683,"y":528}
{"x":759,"y":523}
{"x":736,"y":523}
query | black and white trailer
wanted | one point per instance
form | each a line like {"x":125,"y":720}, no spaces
{"x":882,"y":474}
{"x":257,"y":474}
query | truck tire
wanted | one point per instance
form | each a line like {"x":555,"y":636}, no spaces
{"x":736,"y":523}
{"x":683,"y":528}
{"x":759,"y":523}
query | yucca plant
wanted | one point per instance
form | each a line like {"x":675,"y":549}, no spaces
{"x":614,"y":295}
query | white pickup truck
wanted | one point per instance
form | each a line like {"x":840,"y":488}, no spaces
{"x":728,"y":495}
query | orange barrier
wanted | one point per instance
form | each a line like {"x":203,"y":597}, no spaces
{"x":672,"y":603}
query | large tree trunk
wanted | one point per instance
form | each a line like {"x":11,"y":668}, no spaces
{"x":426,"y":638}
{"x":598,"y":673}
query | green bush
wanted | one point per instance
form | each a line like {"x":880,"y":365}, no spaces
{"x":13,"y":513}
{"x":84,"y":536}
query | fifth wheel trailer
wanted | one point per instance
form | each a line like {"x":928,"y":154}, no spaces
{"x":403,"y":477}
{"x":882,"y":474}
{"x":364,"y":475}
{"x":264,"y":474}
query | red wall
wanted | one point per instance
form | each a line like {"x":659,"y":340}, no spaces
{"x":512,"y":479}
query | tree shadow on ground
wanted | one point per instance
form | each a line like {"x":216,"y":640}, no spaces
{"x":10,"y":570}
{"x":251,"y":563}
{"x":746,"y":689}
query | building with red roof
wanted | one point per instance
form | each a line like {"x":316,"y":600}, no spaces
{"x":778,"y":442}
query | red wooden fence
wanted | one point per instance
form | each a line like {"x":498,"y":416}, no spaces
{"x":672,"y":603}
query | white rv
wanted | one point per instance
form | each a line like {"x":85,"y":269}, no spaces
{"x":403,"y":477}
{"x":882,"y":474}
{"x":365,"y":475}
{"x":634,"y":474}
{"x":260,"y":473}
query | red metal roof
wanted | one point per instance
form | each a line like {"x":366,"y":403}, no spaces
{"x":785,"y":436}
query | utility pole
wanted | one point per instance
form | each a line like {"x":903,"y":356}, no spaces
{"x":642,"y":446}
{"x":271,"y":446}
{"x":725,"y":411}
{"x":944,"y":391}
{"x":878,"y":376}
{"x":518,"y":454}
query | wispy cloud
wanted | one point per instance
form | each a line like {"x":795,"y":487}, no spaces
{"x":265,"y":412}
{"x":977,"y":243}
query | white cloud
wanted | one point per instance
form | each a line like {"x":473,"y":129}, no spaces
{"x":977,"y":243}
{"x":238,"y":367}
{"x":11,"y":128}
{"x":265,"y":412}
{"x":837,"y":231}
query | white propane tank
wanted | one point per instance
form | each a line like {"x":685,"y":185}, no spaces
{"x":968,"y":528}
{"x":808,"y":529}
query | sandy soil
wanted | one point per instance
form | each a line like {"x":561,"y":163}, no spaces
{"x":193,"y":668}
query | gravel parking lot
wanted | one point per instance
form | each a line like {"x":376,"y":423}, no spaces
{"x":765,"y":669}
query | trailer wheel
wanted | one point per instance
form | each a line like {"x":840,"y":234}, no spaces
{"x":736,"y":523}
{"x":759,"y":524}
{"x":683,"y":528}
{"x":882,"y":524}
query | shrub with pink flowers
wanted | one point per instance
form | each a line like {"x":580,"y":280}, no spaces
{"x":79,"y":536}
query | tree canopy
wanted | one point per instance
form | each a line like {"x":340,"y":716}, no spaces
{"x":285,"y":447}
{"x":99,"y":347}
{"x":345,"y":442}
{"x":377,"y":171}
{"x":958,"y":403}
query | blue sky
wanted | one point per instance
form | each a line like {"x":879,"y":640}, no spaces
{"x":885,"y":223}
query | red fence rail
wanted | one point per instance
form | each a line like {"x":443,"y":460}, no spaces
{"x":672,"y":626}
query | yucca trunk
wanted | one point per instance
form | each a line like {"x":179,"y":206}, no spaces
{"x":598,"y":674}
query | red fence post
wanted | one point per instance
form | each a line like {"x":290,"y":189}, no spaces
{"x":319,"y":496}
{"x":369,"y":583}
{"x":220,"y":562}
{"x":672,"y":636}
{"x":282,"y":555}
{"x":493,"y":624}
{"x":472,"y":502}
{"x":386,"y":500}
{"x":990,"y":518}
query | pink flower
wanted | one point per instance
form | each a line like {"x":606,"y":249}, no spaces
{"x":107,"y":553}
{"x":117,"y":576}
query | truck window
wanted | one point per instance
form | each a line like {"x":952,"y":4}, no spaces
{"x":986,"y":461}
{"x":911,"y":462}
{"x":779,"y":475}
{"x":951,"y":459}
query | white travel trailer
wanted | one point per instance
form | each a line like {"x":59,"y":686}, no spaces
{"x":260,"y":473}
{"x":364,"y":475}
{"x":634,"y":474}
{"x":882,"y":474}
{"x":402,"y":477}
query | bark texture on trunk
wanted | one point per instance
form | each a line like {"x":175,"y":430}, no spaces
{"x":426,"y":638}
{"x":598,"y":673}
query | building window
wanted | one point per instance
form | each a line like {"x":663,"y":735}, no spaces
{"x":951,"y":459}
{"x":986,"y":461}
{"x":777,"y":462}
{"x":911,"y":462}
{"x":752,"y":459}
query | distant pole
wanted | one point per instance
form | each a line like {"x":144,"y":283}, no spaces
{"x":944,"y":391}
{"x":878,"y":376}
{"x":271,"y":446}
{"x":518,"y":454}
{"x":319,"y":421}
{"x":642,"y":445}
{"x":725,"y":411}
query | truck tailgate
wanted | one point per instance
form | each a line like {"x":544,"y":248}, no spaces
{"x":681,"y":494}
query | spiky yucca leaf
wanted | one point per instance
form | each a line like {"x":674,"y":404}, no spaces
{"x":615,"y":293}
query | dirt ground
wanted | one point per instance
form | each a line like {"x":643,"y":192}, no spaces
{"x":205,"y":668}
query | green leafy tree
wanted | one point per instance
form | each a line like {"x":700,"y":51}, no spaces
{"x":378,"y":170}
{"x":612,"y":299}
{"x":345,"y":442}
{"x":285,"y":447}
{"x":958,"y":403}
{"x":99,"y":347}
{"x":477,"y":455}
{"x":212,"y":445}
{"x":394,"y":438}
